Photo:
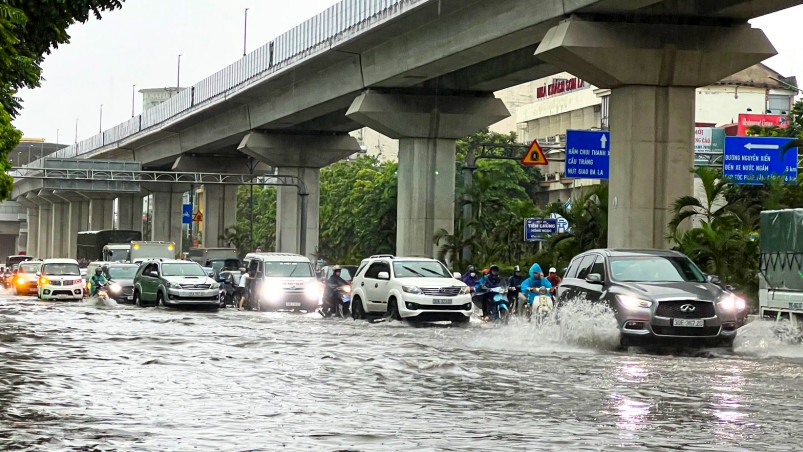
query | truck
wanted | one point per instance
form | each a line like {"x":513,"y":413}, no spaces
{"x":219,"y":259}
{"x":91,"y":244}
{"x":142,"y":251}
{"x":780,"y":291}
{"x":16,"y":259}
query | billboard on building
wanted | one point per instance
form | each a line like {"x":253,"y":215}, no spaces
{"x":709,"y":139}
{"x":749,"y":120}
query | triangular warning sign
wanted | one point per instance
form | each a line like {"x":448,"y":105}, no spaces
{"x":535,"y":155}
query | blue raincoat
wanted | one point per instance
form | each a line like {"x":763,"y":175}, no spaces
{"x":535,"y":283}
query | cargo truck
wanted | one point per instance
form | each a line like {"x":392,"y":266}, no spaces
{"x":91,"y":244}
{"x":143,"y":251}
{"x":780,"y":292}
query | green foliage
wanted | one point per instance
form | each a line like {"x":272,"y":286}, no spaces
{"x":358,"y":210}
{"x":264,"y":225}
{"x":30,"y":29}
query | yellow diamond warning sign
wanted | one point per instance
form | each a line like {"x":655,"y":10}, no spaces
{"x":535,"y":155}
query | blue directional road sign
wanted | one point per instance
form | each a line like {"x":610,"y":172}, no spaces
{"x":587,"y":154}
{"x":538,"y":229}
{"x":186,"y":217}
{"x":753,"y":160}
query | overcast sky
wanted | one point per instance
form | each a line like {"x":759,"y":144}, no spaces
{"x":140,"y":45}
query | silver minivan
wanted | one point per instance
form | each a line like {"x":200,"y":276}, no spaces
{"x":282,"y":281}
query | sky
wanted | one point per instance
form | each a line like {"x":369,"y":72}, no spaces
{"x":139,"y":45}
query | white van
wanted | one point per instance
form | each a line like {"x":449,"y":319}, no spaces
{"x":282,"y":281}
{"x":60,"y":279}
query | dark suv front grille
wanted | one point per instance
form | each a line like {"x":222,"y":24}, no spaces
{"x":674,"y":309}
{"x":441,"y":291}
{"x":685,"y":330}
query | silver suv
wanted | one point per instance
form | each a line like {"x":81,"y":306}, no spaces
{"x":168,"y":282}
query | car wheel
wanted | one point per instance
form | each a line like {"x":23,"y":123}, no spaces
{"x":137,"y":300}
{"x":357,"y":311}
{"x":393,"y":310}
{"x":160,"y":299}
{"x":463,"y":321}
{"x":625,"y":342}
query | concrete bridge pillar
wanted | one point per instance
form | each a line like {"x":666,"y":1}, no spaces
{"x":77,"y":219}
{"x":32,"y":220}
{"x":427,"y":128}
{"x":652,"y":70}
{"x":101,"y":213}
{"x":167,"y":216}
{"x":301,"y":156}
{"x":220,"y":212}
{"x":129,"y":212}
{"x":45,"y":241}
{"x":58,"y":222}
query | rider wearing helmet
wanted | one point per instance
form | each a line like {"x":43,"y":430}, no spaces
{"x":97,"y":281}
{"x":471,"y":278}
{"x":515,"y":296}
{"x":489,"y":281}
{"x":330,"y":292}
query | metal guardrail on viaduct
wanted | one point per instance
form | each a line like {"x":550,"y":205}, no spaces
{"x":338,"y":23}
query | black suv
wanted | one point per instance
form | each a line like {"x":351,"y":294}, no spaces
{"x":654,"y":294}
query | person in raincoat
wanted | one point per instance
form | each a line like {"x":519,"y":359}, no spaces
{"x":536,"y":280}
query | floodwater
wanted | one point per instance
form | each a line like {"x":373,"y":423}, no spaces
{"x":80,"y":376}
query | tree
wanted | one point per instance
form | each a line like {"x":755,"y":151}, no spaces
{"x":29,"y":30}
{"x":713,"y":206}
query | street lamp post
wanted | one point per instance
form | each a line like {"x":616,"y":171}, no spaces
{"x":245,"y":30}
{"x":57,"y":136}
{"x":178,"y":74}
{"x":133,"y":96}
{"x":100,"y":122}
{"x":76,"y":130}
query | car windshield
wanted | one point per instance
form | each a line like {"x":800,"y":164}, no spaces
{"x":122,"y":272}
{"x":288,"y":269}
{"x":29,"y":268}
{"x":655,"y":269}
{"x":61,"y":269}
{"x":118,"y":255}
{"x":225,"y":264}
{"x":182,"y":269}
{"x":420,"y":269}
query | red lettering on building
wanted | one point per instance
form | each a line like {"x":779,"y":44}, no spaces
{"x":559,"y":86}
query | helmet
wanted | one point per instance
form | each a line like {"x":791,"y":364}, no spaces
{"x":494,"y":267}
{"x":336,"y":268}
{"x":517,"y":269}
{"x":98,"y":271}
{"x":470,"y":269}
{"x":485,"y":271}
{"x":553,"y":270}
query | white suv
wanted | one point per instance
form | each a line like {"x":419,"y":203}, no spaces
{"x":60,"y":279}
{"x":411,"y":288}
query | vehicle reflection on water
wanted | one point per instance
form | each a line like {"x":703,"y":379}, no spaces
{"x":78,"y":376}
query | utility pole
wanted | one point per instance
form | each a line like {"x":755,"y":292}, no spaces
{"x":100,"y":122}
{"x":133,"y":97}
{"x":76,"y":130}
{"x":57,"y":136}
{"x":245,"y":30}
{"x":178,"y":74}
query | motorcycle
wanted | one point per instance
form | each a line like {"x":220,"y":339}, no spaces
{"x":339,"y":303}
{"x":542,"y":307}
{"x":498,"y":304}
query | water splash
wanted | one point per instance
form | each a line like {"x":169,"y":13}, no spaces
{"x":98,"y":302}
{"x":578,"y":326}
{"x":765,"y":339}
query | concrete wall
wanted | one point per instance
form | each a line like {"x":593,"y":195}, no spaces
{"x":722,"y":104}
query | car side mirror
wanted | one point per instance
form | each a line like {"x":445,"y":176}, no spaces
{"x":210,"y":274}
{"x":713,"y":279}
{"x":383,"y":275}
{"x":457,"y":275}
{"x":594,"y":278}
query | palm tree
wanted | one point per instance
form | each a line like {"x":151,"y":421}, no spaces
{"x":712,"y":207}
{"x":451,"y":246}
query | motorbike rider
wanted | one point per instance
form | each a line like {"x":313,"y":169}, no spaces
{"x":554,"y":279}
{"x":331,"y":295}
{"x":97,"y":281}
{"x":515,"y":297}
{"x":531,"y":285}
{"x":471,"y":278}
{"x":489,"y":281}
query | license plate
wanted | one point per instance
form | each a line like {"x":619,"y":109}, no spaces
{"x":696,"y":323}
{"x":441,"y":301}
{"x":294,"y":304}
{"x":196,"y":294}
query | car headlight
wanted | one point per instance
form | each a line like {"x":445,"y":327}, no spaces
{"x":465,"y":290}
{"x":731,"y":302}
{"x":214,"y":286}
{"x":633,"y":302}
{"x":173,"y":285}
{"x":313,"y":291}
{"x":116,"y":288}
{"x":412,"y":289}
{"x":21,"y":281}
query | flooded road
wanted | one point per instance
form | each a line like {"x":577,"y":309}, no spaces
{"x":82,"y":377}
